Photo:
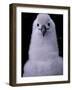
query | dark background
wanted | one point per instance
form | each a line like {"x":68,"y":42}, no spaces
{"x":27,"y":21}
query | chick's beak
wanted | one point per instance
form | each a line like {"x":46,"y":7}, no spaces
{"x":43,"y":30}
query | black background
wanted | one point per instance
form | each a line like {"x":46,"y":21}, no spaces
{"x":27,"y":21}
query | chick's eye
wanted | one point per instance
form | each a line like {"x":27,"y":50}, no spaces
{"x":48,"y":24}
{"x":37,"y":24}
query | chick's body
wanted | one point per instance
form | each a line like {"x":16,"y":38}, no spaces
{"x":43,"y":51}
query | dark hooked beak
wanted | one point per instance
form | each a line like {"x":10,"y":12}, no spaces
{"x":43,"y":30}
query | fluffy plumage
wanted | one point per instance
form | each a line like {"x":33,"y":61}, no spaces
{"x":43,"y":51}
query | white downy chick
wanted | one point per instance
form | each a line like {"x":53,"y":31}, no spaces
{"x":44,"y":59}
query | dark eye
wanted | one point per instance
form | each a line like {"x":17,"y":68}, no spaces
{"x":48,"y":24}
{"x":37,"y":24}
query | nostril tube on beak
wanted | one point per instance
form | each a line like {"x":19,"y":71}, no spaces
{"x":43,"y":29}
